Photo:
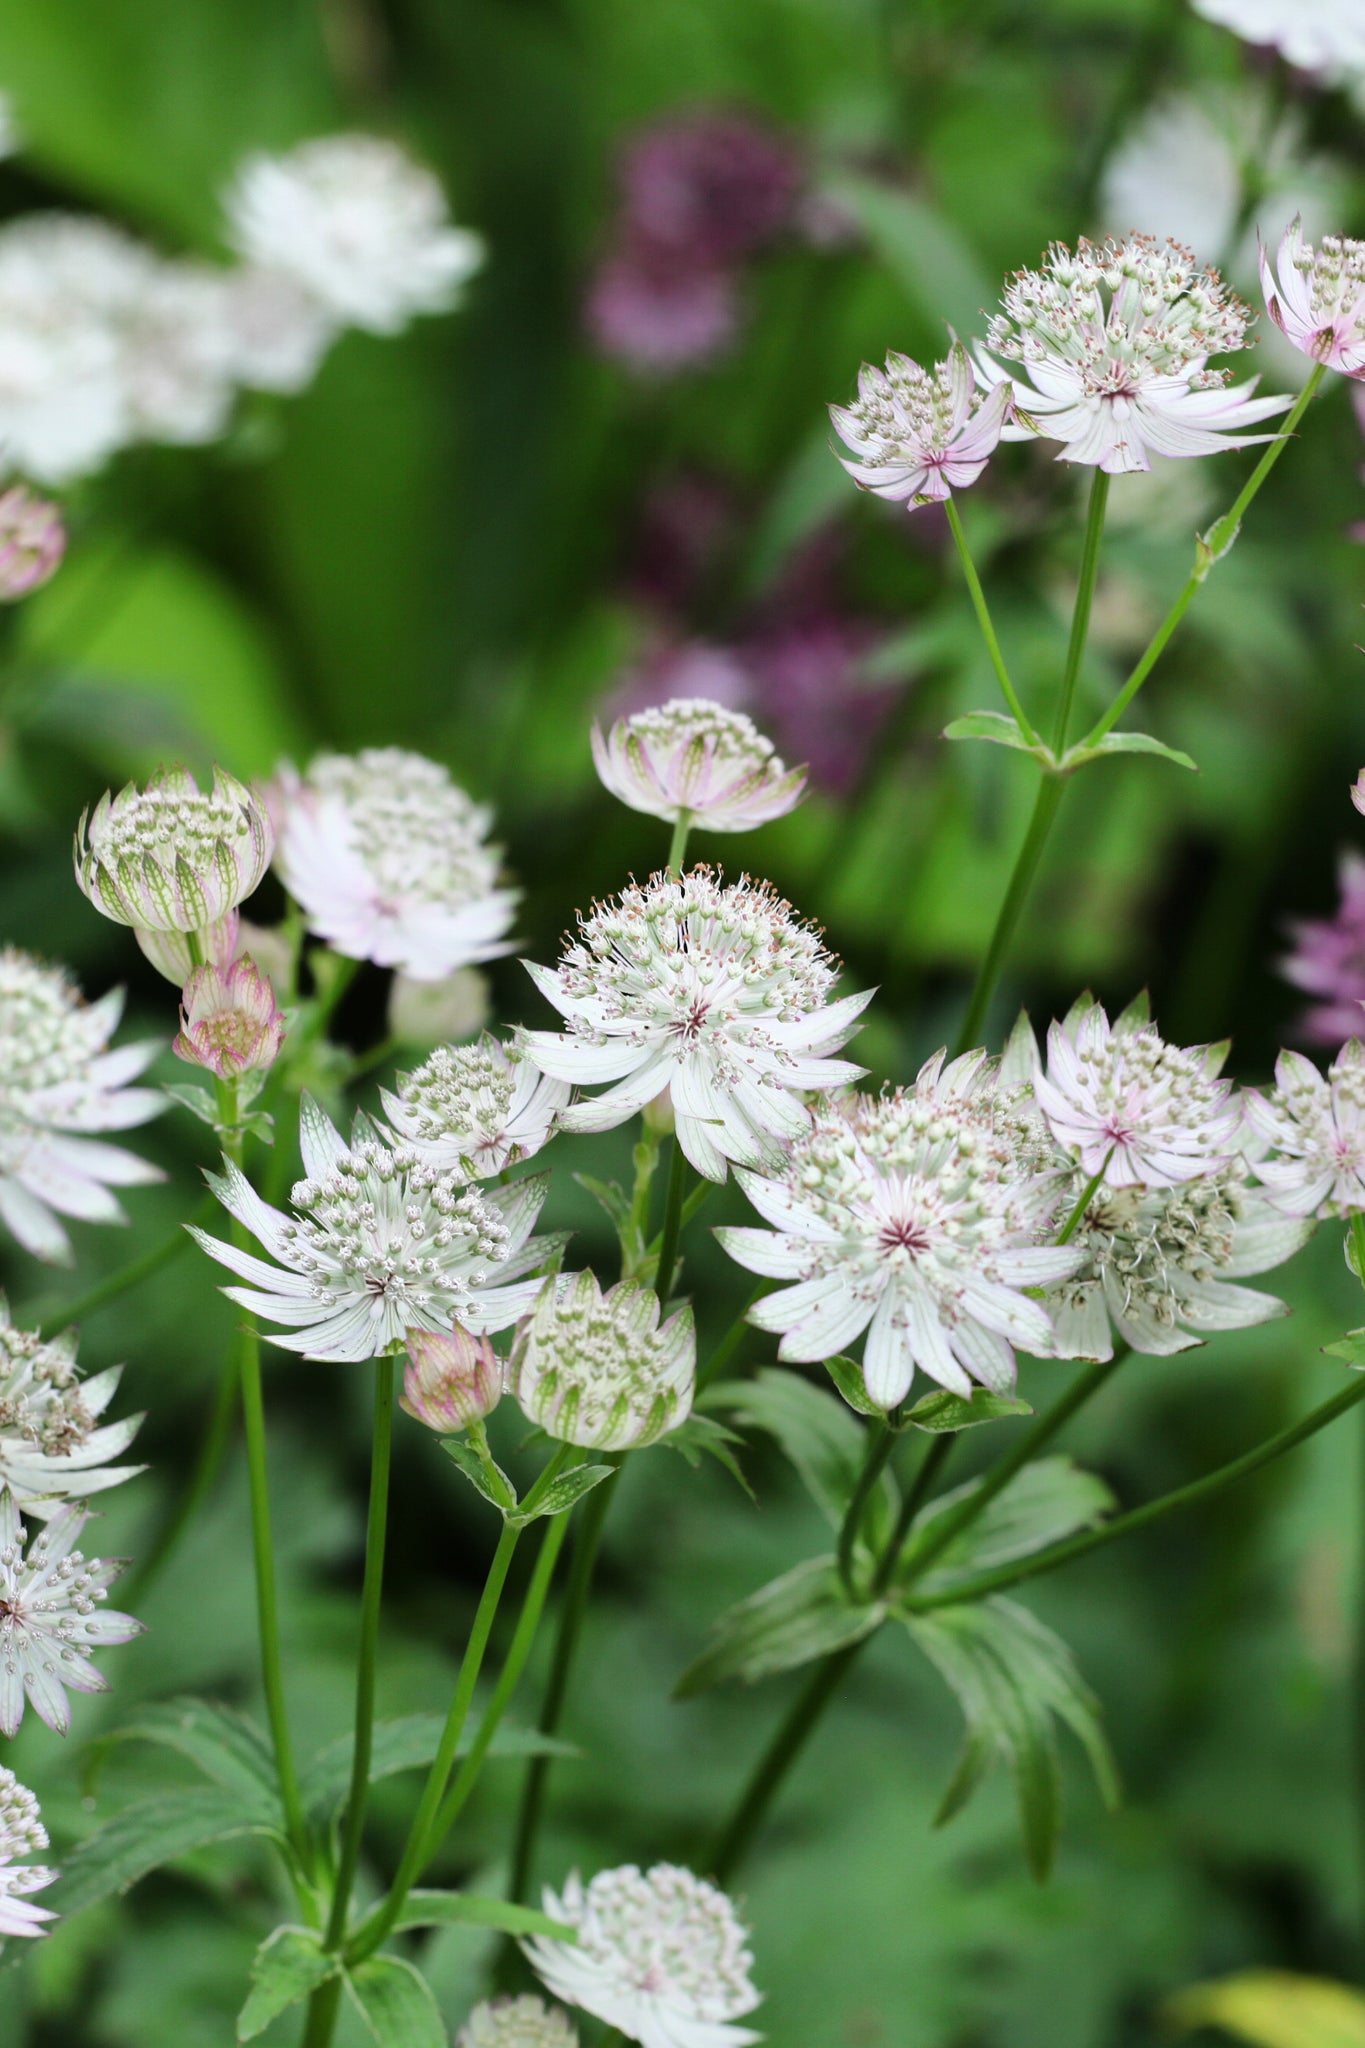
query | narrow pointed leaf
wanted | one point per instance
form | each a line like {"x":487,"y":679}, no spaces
{"x":565,"y":1492}
{"x":1125,"y":743}
{"x":1001,"y":731}
{"x":287,"y":1968}
{"x":463,"y":1909}
{"x":145,"y":1836}
{"x":396,"y":2005}
{"x":942,"y":1411}
{"x":803,"y":1615}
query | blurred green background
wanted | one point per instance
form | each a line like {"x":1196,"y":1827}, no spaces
{"x":451,"y":542}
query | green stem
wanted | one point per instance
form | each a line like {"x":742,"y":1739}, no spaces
{"x":1021,"y":881}
{"x":916,"y":1494}
{"x":731,"y":1341}
{"x":1086,"y":1197}
{"x":673,"y":1208}
{"x":881,"y":1443}
{"x":987,"y":625}
{"x":377,"y":1056}
{"x":207,"y":1465}
{"x":1228,"y":525}
{"x":1085,"y":597}
{"x":1140,"y":1518}
{"x":127,"y":1277}
{"x":678,"y":845}
{"x":776,"y":1761}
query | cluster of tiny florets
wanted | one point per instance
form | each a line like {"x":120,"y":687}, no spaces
{"x":48,"y":1034}
{"x":1335,"y":271}
{"x":599,"y":1369}
{"x":420,"y":835}
{"x":21,"y":1831}
{"x":1146,"y":1236}
{"x":1126,"y":1103}
{"x":732,"y":736}
{"x":525,"y":2022}
{"x":459,"y":1089}
{"x":905,"y":399}
{"x":381,"y":1216}
{"x":1316,"y":1125}
{"x":40,"y":1393}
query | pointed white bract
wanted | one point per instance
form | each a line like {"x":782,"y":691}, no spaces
{"x":51,"y":1449}
{"x":1112,"y":346}
{"x":599,"y":1370}
{"x":361,"y":227}
{"x":1315,"y":1127}
{"x":51,"y":1614}
{"x":1320,"y":35}
{"x":389,"y":862}
{"x":693,"y":758}
{"x":660,"y":1954}
{"x":517,"y":2023}
{"x":1121,"y":1101}
{"x":21,"y":1834}
{"x":1316,"y":297}
{"x":714,"y":991}
{"x":59,"y":1083}
{"x":381,"y":1244}
{"x":921,"y":1216}
{"x":477,"y":1107}
{"x":918,"y":435}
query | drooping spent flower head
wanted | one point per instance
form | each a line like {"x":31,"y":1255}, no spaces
{"x":59,"y":1082}
{"x":478,"y":1107}
{"x":390,"y":862}
{"x":692,"y":758}
{"x":1122,"y":1102}
{"x":451,"y":1379}
{"x":1320,"y":35}
{"x":51,"y":1613}
{"x":921,"y":1216}
{"x":21,"y":1834}
{"x":1113,"y":345}
{"x":918,"y":435}
{"x":358,"y":224}
{"x":714,"y":991}
{"x":1316,"y":297}
{"x":525,"y":2022}
{"x":230,"y":1022}
{"x":51,"y":1449}
{"x":1315,"y":1127}
{"x":599,"y":1370}
{"x":32,"y":542}
{"x":660,"y":1954}
{"x":174,"y":862}
{"x":382,"y":1244}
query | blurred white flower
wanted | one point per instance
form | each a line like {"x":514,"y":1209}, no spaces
{"x":660,"y":1954}
{"x":431,"y":1012}
{"x":58,"y":1082}
{"x":277,"y":333}
{"x":1316,"y":1129}
{"x":1316,"y":34}
{"x":21,"y":1834}
{"x":918,"y":435}
{"x":389,"y":861}
{"x":599,"y":1370}
{"x":517,"y":2023}
{"x":1316,"y":297}
{"x":179,"y":360}
{"x":358,"y":224}
{"x":63,"y":394}
{"x":476,"y":1107}
{"x":50,"y":1448}
{"x":691,"y":757}
{"x":50,"y":1615}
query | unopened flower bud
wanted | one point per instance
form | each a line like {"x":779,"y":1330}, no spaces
{"x":597,"y":1369}
{"x":229,"y":1021}
{"x":32,"y":542}
{"x":451,"y":1379}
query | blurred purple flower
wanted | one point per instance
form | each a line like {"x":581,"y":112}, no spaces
{"x":1328,"y":961}
{"x":681,"y":534}
{"x":708,"y":187}
{"x":810,"y":689}
{"x":659,"y":316}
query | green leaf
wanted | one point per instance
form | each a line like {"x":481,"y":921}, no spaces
{"x":819,"y":1436}
{"x":463,"y":1909}
{"x":702,"y":1436}
{"x":1351,"y":1347}
{"x":942,"y":1411}
{"x":801,"y":1616}
{"x":225,"y":1745}
{"x":1210,"y":547}
{"x":287,"y":1967}
{"x":487,"y":1479}
{"x":1001,"y":732}
{"x":156,"y":1831}
{"x":565,"y":1492}
{"x":847,"y":1376}
{"x":927,"y":255}
{"x":395,"y":2004}
{"x":1124,"y":743}
{"x":197,"y":1101}
{"x":406,"y":1745}
{"x":610,"y":1195}
{"x":1274,"y":2009}
{"x":1050,"y":1499}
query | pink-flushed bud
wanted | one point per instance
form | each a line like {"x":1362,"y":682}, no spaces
{"x":1358,"y":791}
{"x":32,"y":542}
{"x":451,"y":1379}
{"x":229,"y":1020}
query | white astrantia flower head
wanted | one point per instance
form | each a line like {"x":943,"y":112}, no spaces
{"x":921,"y":1216}
{"x":1319,"y":35}
{"x":59,"y":1083}
{"x":178,"y":355}
{"x":525,"y":2022}
{"x":1121,"y":1101}
{"x":389,"y":861}
{"x":478,"y":1107}
{"x":21,"y":1834}
{"x":276,"y":332}
{"x":431,"y":1013}
{"x":599,"y":1370}
{"x":1316,"y":297}
{"x":51,"y":1613}
{"x":63,"y":396}
{"x":1113,"y":344}
{"x":660,"y":1954}
{"x":174,"y":861}
{"x":381,"y":1243}
{"x":712,"y":990}
{"x":358,"y":224}
{"x":51,"y":1449}
{"x":918,"y":435}
{"x":695,"y":759}
{"x":1315,"y":1128}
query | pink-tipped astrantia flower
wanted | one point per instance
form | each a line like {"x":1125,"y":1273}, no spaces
{"x":478,"y":1107}
{"x":1315,"y":1127}
{"x":229,"y":1021}
{"x":1112,"y":345}
{"x":919,"y":435}
{"x":21,"y":1834}
{"x":692,"y":758}
{"x":451,"y":1379}
{"x":1122,"y":1102}
{"x":600,"y":1370}
{"x":32,"y":542}
{"x":51,"y":1448}
{"x":1319,"y":35}
{"x":1328,"y":960}
{"x":1316,"y":297}
{"x":50,"y":1614}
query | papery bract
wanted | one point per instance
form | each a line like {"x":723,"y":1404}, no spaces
{"x":600,"y":1370}
{"x":918,"y":435}
{"x":696,"y":758}
{"x":230,"y":1022}
{"x":32,"y":542}
{"x":451,"y":1379}
{"x":21,"y":1834}
{"x":1315,"y":1127}
{"x":1316,"y":297}
{"x":51,"y":1449}
{"x":478,"y":1107}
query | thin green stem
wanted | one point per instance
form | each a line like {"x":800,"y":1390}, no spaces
{"x":127,"y":1277}
{"x":377,"y":1056}
{"x":673,"y":1211}
{"x":207,"y":1466}
{"x":881,"y":1443}
{"x":777,"y":1759}
{"x":931,"y":1464}
{"x":1016,"y":895}
{"x":678,"y":845}
{"x":987,"y":624}
{"x":731,"y":1341}
{"x":1083,"y":1201}
{"x":1085,"y":597}
{"x":1140,"y":1518}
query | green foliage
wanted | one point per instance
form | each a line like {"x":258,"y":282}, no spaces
{"x":465,"y":1909}
{"x":818,"y":1436}
{"x":807,"y":1613}
{"x":1274,"y":2009}
{"x":395,"y":2004}
{"x":406,"y":1745}
{"x":155,"y":1832}
{"x":288,"y":1966}
{"x":1049,"y":1499}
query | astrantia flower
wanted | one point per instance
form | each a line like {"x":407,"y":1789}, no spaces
{"x":660,"y":1954}
{"x":430,"y":1012}
{"x":50,"y":1447}
{"x":1316,"y":1129}
{"x":178,"y":355}
{"x":58,"y":1083}
{"x":277,"y":333}
{"x":63,"y":397}
{"x":21,"y":1834}
{"x":1317,"y":34}
{"x":389,"y":861}
{"x":710,"y":990}
{"x":517,"y":2023}
{"x":384,"y":1244}
{"x":1328,"y":961}
{"x":599,"y":1370}
{"x":174,"y":862}
{"x":50,"y":1615}
{"x":229,"y":1020}
{"x":918,"y":435}
{"x":1316,"y":297}
{"x":358,"y":224}
{"x":477,"y":1107}
{"x":32,"y":542}
{"x":693,"y":758}
{"x":1118,"y":1098}
{"x":451,"y":1379}
{"x":1114,"y":343}
{"x":915,"y":1216}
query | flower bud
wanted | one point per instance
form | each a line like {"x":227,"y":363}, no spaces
{"x":451,"y":1379}
{"x":229,"y":1020}
{"x":32,"y":542}
{"x":597,"y":1369}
